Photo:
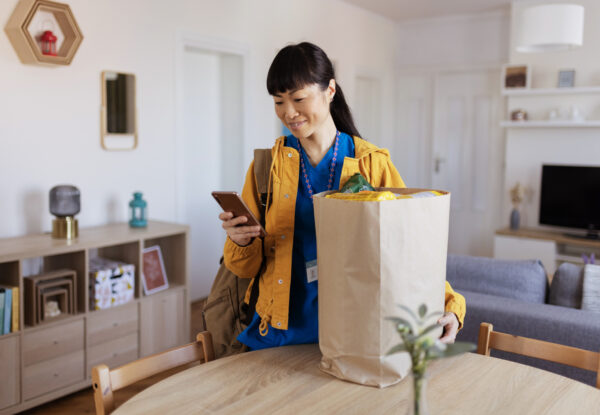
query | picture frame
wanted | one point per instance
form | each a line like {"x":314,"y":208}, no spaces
{"x":566,"y":78}
{"x":154,"y":275}
{"x":516,"y":76}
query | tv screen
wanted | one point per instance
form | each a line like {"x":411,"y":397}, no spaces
{"x":570,"y":196}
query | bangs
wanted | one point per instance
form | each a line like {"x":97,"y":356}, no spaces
{"x":291,"y":69}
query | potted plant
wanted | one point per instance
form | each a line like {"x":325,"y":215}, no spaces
{"x":418,"y":341}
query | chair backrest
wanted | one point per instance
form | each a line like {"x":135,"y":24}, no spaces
{"x":566,"y":355}
{"x":106,"y":381}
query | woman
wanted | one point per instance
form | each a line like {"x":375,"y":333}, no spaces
{"x":323,"y":151}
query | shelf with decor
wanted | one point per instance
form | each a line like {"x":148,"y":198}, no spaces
{"x":551,"y":91}
{"x":53,"y":357}
{"x":550,"y":124}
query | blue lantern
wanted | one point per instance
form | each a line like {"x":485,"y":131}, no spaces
{"x":138,"y":211}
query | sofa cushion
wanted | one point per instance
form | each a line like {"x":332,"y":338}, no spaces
{"x":590,"y":299}
{"x":521,"y":280}
{"x":566,"y":287}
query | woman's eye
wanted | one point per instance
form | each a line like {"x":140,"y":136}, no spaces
{"x":278,"y":103}
{"x":299,"y":99}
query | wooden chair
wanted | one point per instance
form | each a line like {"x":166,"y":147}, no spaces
{"x":566,"y":355}
{"x":106,"y":381}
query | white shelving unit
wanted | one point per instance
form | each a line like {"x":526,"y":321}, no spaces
{"x":550,"y":124}
{"x":551,"y":91}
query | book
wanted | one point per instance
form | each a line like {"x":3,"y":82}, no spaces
{"x":7,"y":310}
{"x":2,"y":310}
{"x":16,"y":300}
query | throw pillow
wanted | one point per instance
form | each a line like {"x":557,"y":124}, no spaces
{"x":591,"y":288}
{"x":566,"y":286}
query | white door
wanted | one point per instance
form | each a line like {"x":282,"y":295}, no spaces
{"x":466,"y":156}
{"x":210,"y":155}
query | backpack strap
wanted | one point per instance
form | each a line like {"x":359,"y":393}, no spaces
{"x":262,"y":167}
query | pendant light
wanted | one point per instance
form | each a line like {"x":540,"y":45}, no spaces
{"x":550,"y":27}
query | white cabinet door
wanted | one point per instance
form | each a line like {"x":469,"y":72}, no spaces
{"x":507,"y":247}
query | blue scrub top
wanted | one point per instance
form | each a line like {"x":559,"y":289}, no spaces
{"x":303,"y":323}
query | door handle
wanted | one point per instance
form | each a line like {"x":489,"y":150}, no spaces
{"x":437,"y":162}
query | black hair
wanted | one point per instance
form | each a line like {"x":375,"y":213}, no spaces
{"x":296,"y":66}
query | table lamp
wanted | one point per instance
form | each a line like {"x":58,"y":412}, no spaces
{"x":65,"y":203}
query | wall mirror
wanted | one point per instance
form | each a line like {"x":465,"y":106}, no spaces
{"x":119,"y":112}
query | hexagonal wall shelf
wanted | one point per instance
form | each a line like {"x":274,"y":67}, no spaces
{"x":23,"y":35}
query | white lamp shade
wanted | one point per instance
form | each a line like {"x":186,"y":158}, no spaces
{"x":550,"y":27}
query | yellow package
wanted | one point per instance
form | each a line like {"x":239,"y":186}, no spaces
{"x":364,"y":196}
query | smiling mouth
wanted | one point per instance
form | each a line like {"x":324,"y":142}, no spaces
{"x":296,"y":125}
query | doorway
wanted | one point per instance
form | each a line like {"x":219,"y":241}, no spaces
{"x":210,"y":142}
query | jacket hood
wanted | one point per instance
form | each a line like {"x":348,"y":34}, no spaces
{"x":362,"y":148}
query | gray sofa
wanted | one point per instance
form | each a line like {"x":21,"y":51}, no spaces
{"x":515,"y":297}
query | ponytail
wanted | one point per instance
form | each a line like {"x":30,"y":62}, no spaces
{"x":341,"y":114}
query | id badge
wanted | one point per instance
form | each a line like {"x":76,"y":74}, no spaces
{"x":311,"y":271}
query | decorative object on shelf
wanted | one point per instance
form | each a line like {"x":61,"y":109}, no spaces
{"x":566,"y":78}
{"x":65,"y":203}
{"x":575,"y":114}
{"x":517,"y":193}
{"x":589,"y":259}
{"x":118,"y":114}
{"x":549,"y":27}
{"x":417,"y":340}
{"x":60,"y":286}
{"x":48,"y":43}
{"x":138,"y":211}
{"x":154,"y":276}
{"x":112,"y":283}
{"x":22,"y":31}
{"x":518,"y":115}
{"x":9,"y":309}
{"x":516,"y":76}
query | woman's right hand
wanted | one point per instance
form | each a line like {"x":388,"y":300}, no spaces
{"x":241,"y":235}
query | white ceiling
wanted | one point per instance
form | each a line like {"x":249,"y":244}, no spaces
{"x":400,"y":10}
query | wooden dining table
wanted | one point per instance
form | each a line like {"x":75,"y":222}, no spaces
{"x":287,"y":380}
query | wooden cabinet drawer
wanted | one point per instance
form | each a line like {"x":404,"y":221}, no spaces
{"x":52,"y":374}
{"x":53,"y":341}
{"x":105,"y":325}
{"x":113,"y":353}
{"x":10,"y":385}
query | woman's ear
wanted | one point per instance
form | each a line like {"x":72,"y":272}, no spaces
{"x":331,"y":89}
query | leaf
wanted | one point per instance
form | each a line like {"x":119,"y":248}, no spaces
{"x":409,"y":311}
{"x":422,"y":310}
{"x":428,"y":329}
{"x":397,"y":349}
{"x":400,"y":321}
{"x":434,"y":314}
{"x":456,"y":349}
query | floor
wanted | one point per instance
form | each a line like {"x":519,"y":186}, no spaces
{"x":82,"y":402}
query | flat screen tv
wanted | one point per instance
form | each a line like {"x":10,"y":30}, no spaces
{"x":570,"y":197}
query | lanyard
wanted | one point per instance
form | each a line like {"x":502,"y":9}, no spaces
{"x":331,"y":167}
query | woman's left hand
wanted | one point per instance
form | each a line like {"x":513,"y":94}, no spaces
{"x":450,"y":323}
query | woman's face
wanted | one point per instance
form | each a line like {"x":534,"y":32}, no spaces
{"x":304,"y":111}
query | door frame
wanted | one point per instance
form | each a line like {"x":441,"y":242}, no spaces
{"x":210,"y":44}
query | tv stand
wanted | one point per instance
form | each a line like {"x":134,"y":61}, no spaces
{"x":551,"y":247}
{"x":593,"y":235}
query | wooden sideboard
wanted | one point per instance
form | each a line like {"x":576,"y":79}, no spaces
{"x":44,"y":362}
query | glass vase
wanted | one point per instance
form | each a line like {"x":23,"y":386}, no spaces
{"x":418,"y":402}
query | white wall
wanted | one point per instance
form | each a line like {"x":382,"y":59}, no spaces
{"x":49,"y":117}
{"x":528,"y":149}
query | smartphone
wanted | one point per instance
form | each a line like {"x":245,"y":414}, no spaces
{"x":232,"y":202}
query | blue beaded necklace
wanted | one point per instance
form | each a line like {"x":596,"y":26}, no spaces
{"x":331,"y":167}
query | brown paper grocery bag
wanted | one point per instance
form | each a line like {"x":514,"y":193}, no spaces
{"x":371,"y":257}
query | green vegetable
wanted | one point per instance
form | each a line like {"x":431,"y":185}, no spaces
{"x":355,"y":184}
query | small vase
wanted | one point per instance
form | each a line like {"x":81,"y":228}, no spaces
{"x":515,"y":219}
{"x":418,"y":404}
